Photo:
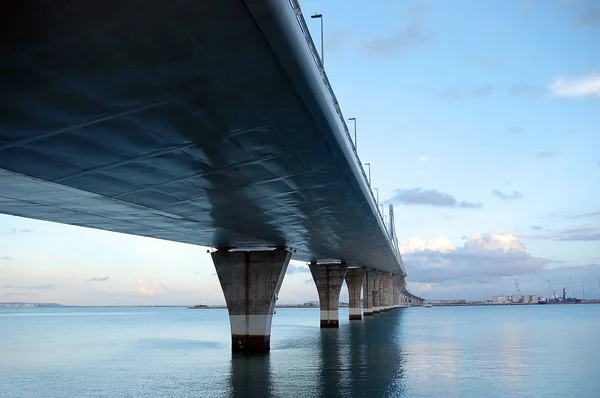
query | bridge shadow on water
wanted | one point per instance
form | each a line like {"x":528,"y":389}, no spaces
{"x":360,"y":359}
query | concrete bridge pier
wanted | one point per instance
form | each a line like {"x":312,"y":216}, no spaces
{"x":251,"y":281}
{"x":381,"y":293}
{"x":368,"y":292}
{"x":376,"y":293}
{"x":399,"y":291}
{"x":328,"y":279}
{"x":385,"y":293}
{"x":391,"y":293}
{"x":354,"y":280}
{"x":403,"y":289}
{"x":395,"y":292}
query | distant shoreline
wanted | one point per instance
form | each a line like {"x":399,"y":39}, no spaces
{"x":223,"y":306}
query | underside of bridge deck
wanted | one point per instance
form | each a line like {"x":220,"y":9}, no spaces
{"x":204,"y":122}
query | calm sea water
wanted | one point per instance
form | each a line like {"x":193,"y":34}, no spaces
{"x":534,"y":351}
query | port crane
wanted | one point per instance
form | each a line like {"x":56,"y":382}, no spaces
{"x":565,"y":289}
{"x":518,"y":290}
{"x":552,"y":290}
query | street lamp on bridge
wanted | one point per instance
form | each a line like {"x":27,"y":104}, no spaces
{"x":320,"y":16}
{"x":377,"y":192}
{"x":369,"y":166}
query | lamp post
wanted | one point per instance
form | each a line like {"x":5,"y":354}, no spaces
{"x":369,"y":166}
{"x":320,"y":16}
{"x":377,"y":192}
{"x":354,"y":120}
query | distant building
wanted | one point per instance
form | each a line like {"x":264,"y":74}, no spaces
{"x":453,"y":302}
{"x":501,"y":299}
{"x":523,"y":299}
{"x":530,"y":298}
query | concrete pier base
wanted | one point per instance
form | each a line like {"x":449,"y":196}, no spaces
{"x":251,"y":281}
{"x":328,"y":280}
{"x":354,"y":280}
{"x":355,"y":314}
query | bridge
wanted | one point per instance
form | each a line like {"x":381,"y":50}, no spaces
{"x":210,"y":123}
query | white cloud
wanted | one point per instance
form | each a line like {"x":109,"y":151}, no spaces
{"x":147,"y":287}
{"x":429,"y":197}
{"x":483,"y":258}
{"x":509,"y":196}
{"x":583,"y":233}
{"x":419,"y":288}
{"x":503,"y":241}
{"x":296,"y":268}
{"x":581,"y":87}
{"x":415,"y":245}
{"x":424,"y":159}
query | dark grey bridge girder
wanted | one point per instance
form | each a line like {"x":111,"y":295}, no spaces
{"x":204,"y":122}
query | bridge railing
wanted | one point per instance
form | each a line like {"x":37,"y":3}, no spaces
{"x":311,"y":45}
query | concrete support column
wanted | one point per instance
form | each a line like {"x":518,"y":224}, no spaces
{"x":375,"y":293}
{"x":401,"y":291}
{"x":328,"y":279}
{"x":390,"y":295}
{"x":395,"y":292}
{"x":381,"y":293}
{"x":368,"y":292}
{"x":385,"y":301}
{"x":251,"y":281}
{"x":354,"y":280}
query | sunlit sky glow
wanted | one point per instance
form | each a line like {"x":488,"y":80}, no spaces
{"x":481,"y":121}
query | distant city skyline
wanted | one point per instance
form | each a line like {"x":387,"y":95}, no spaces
{"x":481,"y":124}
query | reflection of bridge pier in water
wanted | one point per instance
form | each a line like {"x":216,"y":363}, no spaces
{"x":381,"y":338}
{"x":330,"y":378}
{"x":362,"y":356}
{"x":358,"y":359}
{"x":250,"y":376}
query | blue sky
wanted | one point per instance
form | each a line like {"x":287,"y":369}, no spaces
{"x":482,"y":124}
